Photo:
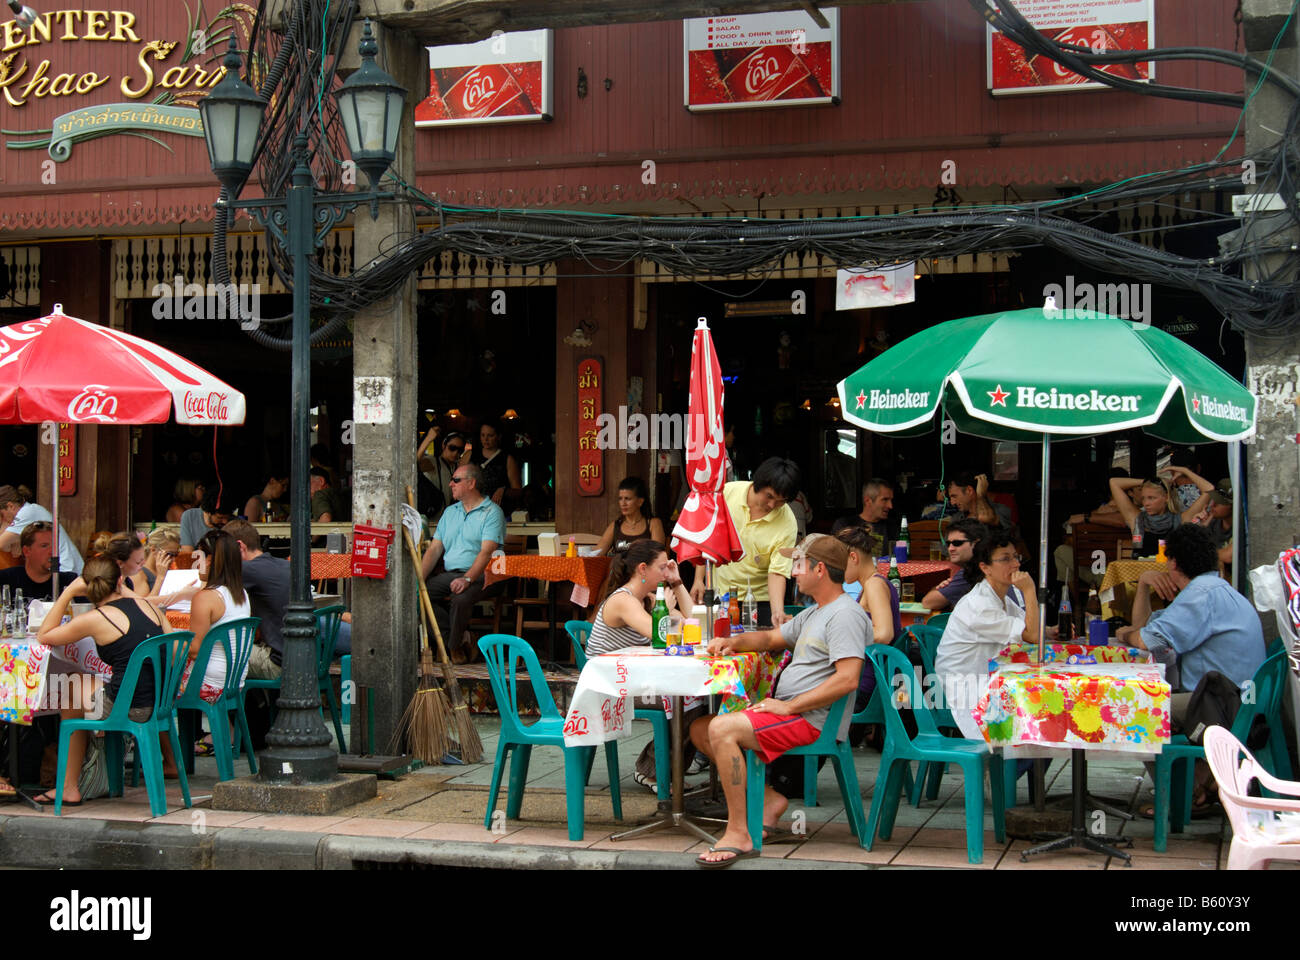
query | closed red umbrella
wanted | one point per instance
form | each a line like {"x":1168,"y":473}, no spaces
{"x":62,"y":369}
{"x":705,"y":532}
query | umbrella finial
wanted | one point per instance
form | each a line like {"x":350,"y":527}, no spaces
{"x":1049,"y":305}
{"x":58,"y":308}
{"x":702,"y":323}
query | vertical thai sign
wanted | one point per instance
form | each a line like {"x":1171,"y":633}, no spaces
{"x":67,"y":459}
{"x":591,"y":460}
{"x":504,"y":78}
{"x":761,"y":60}
{"x":1100,"y":25}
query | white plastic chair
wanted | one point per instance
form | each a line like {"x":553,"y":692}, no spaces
{"x":1263,"y":828}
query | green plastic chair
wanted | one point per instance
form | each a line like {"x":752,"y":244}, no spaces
{"x":841,"y":758}
{"x":327,"y":631}
{"x":236,"y":639}
{"x":579,"y":631}
{"x":1176,"y":762}
{"x":938,"y":621}
{"x":158,"y":655}
{"x":503,"y":654}
{"x":894,"y":673}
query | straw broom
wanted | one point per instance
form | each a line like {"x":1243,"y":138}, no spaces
{"x":426,"y":716}
{"x":471,"y":747}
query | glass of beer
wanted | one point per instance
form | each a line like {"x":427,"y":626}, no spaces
{"x":909,"y":592}
{"x":674,"y":631}
{"x":936,"y":552}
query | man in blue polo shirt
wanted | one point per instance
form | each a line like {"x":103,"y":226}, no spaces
{"x":468,"y":531}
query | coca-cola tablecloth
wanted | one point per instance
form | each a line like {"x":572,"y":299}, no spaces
{"x":601,"y":708}
{"x":25,"y":666}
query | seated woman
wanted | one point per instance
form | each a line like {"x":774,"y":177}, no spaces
{"x":119,"y":623}
{"x":635,"y":520}
{"x":255,"y":510}
{"x":982,"y":623}
{"x":623,"y":620}
{"x":186,"y":495}
{"x":878,"y":599}
{"x":222,"y":599}
{"x":161,"y":548}
{"x":1158,"y":516}
{"x":126,"y":550}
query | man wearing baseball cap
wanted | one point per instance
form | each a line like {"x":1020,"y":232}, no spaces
{"x":828,"y":643}
{"x":1217,"y":519}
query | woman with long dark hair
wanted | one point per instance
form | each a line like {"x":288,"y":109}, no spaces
{"x":120,"y":622}
{"x":223,"y":598}
{"x":623,"y":620}
{"x":635,"y":520}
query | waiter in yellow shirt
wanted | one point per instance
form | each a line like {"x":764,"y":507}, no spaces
{"x":766,"y":526}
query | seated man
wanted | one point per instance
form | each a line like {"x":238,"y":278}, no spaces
{"x":35,"y":575}
{"x":1217,"y":520}
{"x":968,"y":496}
{"x":1208,"y":624}
{"x":326,"y":504}
{"x":829,"y":641}
{"x":961,"y":539}
{"x":209,"y":515}
{"x":266,"y":581}
{"x":877,"y":501}
{"x":468,"y":531}
{"x":16,"y":513}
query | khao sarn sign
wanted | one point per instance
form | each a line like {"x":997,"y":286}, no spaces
{"x":115,"y":71}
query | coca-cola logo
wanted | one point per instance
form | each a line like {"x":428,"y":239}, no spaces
{"x":94,"y":402}
{"x":478,"y":90}
{"x":762,"y":71}
{"x":212,"y":407}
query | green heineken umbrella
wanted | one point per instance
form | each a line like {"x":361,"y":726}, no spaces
{"x":1047,"y":374}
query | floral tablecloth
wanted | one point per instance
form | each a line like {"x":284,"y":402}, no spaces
{"x":1110,"y":706}
{"x":1061,"y":652}
{"x":601,"y":709}
{"x":23,"y":668}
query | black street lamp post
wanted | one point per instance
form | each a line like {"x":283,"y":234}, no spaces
{"x":299,"y":744}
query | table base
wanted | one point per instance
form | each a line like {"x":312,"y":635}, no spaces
{"x":20,"y":795}
{"x":1079,"y":835}
{"x":675,"y":816}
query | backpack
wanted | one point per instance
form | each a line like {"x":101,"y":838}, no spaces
{"x":1214,"y":702}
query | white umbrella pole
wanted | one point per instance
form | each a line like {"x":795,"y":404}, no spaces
{"x":54,"y":498}
{"x":1042,"y":547}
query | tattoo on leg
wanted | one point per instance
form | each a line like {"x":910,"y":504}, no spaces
{"x":735,"y":771}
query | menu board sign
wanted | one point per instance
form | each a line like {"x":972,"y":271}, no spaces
{"x":506,"y":78}
{"x":761,"y":60}
{"x":1099,"y":25}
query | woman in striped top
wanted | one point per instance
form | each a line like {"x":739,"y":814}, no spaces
{"x":623,"y":620}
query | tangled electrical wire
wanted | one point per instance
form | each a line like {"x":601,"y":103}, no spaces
{"x":299,"y":61}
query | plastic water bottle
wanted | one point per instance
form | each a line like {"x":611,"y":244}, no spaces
{"x":751,"y":611}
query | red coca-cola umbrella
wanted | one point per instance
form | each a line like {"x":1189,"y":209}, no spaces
{"x":62,"y":369}
{"x":705,"y":532}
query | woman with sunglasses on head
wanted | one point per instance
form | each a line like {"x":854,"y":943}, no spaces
{"x":1158,"y":516}
{"x":1001,"y":608}
{"x":960,"y":540}
{"x":160,"y":549}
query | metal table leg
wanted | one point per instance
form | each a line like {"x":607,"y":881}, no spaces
{"x":675,"y":816}
{"x":1078,"y":835}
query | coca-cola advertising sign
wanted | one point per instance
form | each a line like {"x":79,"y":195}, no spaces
{"x":761,"y":60}
{"x":1101,"y":26}
{"x":502,"y":79}
{"x":205,"y":406}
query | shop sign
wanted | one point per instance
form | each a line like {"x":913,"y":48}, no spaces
{"x":506,"y":78}
{"x":885,"y":286}
{"x":761,"y":60}
{"x":67,"y":459}
{"x":1100,"y":25}
{"x":591,"y":459}
{"x":161,"y":81}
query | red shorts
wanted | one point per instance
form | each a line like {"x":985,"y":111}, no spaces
{"x":776,"y":735}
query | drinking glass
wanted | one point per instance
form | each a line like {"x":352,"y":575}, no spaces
{"x":909,"y":592}
{"x":936,"y":552}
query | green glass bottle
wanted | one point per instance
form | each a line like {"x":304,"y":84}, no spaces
{"x":659,"y":620}
{"x":895,"y":580}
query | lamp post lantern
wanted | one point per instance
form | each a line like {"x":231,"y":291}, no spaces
{"x":299,"y":746}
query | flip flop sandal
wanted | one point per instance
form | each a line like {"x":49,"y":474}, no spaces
{"x":723,"y":864}
{"x":204,"y":748}
{"x":775,"y":833}
{"x":7,"y":791}
{"x":45,"y":800}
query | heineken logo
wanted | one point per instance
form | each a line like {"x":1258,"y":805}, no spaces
{"x":1220,"y":409}
{"x":891,"y":400}
{"x":1053,"y":399}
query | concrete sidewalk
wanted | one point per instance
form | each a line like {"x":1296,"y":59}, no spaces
{"x":434,"y":817}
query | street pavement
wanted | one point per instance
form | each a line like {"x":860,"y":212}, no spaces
{"x":434,"y":817}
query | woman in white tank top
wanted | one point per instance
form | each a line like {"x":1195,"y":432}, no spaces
{"x":222,"y":600}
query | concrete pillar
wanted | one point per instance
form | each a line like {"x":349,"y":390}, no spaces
{"x":1272,"y":467}
{"x":385,"y":612}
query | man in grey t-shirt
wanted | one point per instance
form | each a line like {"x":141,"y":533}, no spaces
{"x":828,"y":643}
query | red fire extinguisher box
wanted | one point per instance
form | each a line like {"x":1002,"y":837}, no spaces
{"x":370,"y":546}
